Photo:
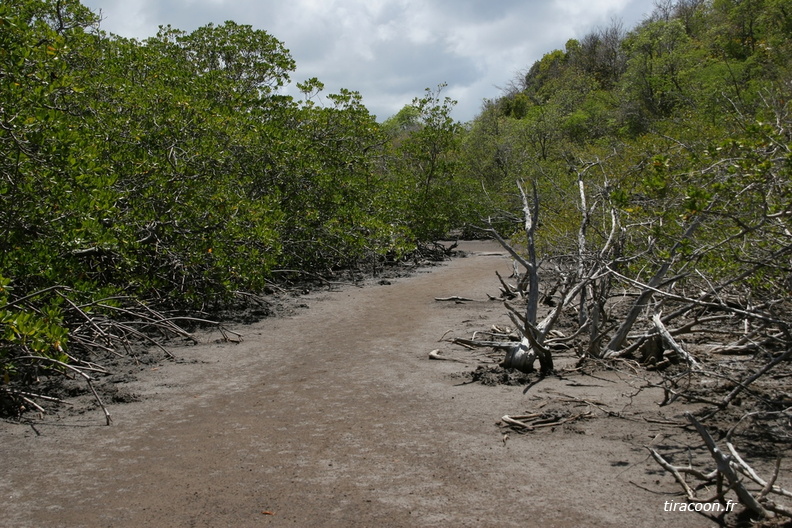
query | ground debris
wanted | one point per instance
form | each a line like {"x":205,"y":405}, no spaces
{"x":531,"y":421}
{"x":492,"y":375}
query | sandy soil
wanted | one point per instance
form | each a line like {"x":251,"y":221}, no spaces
{"x":335,"y":416}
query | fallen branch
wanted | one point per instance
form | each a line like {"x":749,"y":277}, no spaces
{"x":456,"y":298}
{"x":539,"y":420}
{"x":758,"y":374}
{"x":88,"y":380}
{"x":669,"y":340}
{"x":507,"y":289}
{"x":470,"y":343}
{"x":435,"y":354}
{"x":677,"y":471}
{"x":725,"y":468}
{"x":743,"y":467}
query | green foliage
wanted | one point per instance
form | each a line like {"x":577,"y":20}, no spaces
{"x":28,"y":331}
{"x":173,"y":172}
{"x":403,"y":122}
{"x":424,"y":175}
{"x":680,"y":125}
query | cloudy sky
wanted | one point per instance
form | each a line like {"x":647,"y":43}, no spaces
{"x":391,"y":50}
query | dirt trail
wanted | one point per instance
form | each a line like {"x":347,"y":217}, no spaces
{"x":336,"y":417}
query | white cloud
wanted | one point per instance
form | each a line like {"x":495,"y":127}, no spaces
{"x":390,"y":50}
{"x":123,"y":18}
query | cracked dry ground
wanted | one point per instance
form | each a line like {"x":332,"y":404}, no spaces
{"x":335,"y":416}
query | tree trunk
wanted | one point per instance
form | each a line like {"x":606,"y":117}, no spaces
{"x":617,"y":342}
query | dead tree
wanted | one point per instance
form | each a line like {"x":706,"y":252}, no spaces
{"x":617,"y":341}
{"x":530,"y":348}
{"x":593,"y":296}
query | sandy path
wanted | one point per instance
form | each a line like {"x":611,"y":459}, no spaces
{"x":335,"y":417}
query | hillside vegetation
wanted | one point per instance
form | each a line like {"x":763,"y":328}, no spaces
{"x":655,"y":159}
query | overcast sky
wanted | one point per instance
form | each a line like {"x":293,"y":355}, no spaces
{"x":391,"y":50}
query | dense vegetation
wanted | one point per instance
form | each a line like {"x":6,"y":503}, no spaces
{"x":172,"y":174}
{"x":143,"y":179}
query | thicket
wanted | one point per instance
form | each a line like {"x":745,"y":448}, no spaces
{"x":144,"y":181}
